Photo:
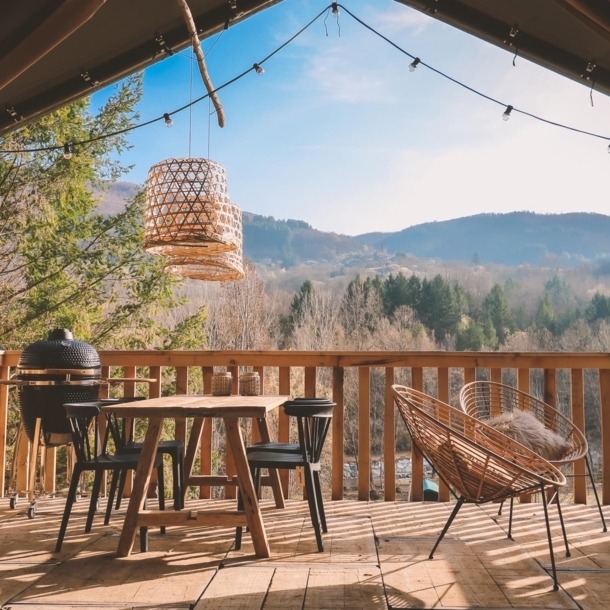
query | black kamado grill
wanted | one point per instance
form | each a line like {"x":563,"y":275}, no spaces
{"x":50,"y":373}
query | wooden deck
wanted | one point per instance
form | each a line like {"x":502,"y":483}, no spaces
{"x":376,"y":557}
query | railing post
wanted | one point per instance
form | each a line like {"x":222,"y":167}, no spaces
{"x":205,"y":459}
{"x":364,"y":433}
{"x":338,"y":447}
{"x":417,"y":459}
{"x":310,"y":382}
{"x":443,"y":395}
{"x":255,"y":435}
{"x":182,"y":385}
{"x":4,"y":374}
{"x":389,"y":439}
{"x":283,"y":424}
{"x":604,"y":395}
{"x":470,"y":375}
{"x":231,"y":471}
{"x":550,"y":398}
{"x":577,"y":404}
{"x":523,"y":384}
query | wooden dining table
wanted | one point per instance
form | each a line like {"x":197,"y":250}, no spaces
{"x":230,"y":409}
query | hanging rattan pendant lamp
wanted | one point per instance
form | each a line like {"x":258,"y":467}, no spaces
{"x":188,"y":210}
{"x":217,"y":266}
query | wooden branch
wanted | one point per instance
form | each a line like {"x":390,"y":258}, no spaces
{"x":192,"y":28}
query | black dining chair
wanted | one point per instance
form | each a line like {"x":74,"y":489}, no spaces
{"x":173,"y":448}
{"x":313,"y":421}
{"x":92,"y":455}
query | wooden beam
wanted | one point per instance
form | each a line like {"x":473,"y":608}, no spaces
{"x":443,"y":395}
{"x":4,"y":374}
{"x":604,"y":395}
{"x":45,"y":36}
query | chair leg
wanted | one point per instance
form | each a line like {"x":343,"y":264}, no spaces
{"x":548,"y":535}
{"x":563,"y":527}
{"x":313,"y":506}
{"x":161,"y":492}
{"x":500,"y":509}
{"x":144,"y":534}
{"x":122,"y":484}
{"x":456,"y":509}
{"x":182,"y":477}
{"x":95,"y":492}
{"x":68,"y":509}
{"x":510,"y":519}
{"x":599,"y":506}
{"x":316,"y":481}
{"x":176,"y":477}
{"x":113,"y":486}
{"x":239,"y":528}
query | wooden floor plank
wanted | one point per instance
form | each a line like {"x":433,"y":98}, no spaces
{"x":475,"y":566}
{"x":237,"y":589}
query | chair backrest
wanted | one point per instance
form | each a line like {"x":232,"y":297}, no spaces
{"x":476,"y":461}
{"x":313,"y":422}
{"x":486,"y":399}
{"x":86,"y":442}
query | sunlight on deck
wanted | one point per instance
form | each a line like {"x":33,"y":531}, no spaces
{"x":376,"y":556}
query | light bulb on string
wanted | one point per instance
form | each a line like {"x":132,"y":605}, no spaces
{"x":413,"y":65}
{"x":67,"y":151}
{"x":608,"y":148}
{"x":168,"y":119}
{"x":335,"y":10}
{"x":258,"y":69}
{"x":506,"y":113}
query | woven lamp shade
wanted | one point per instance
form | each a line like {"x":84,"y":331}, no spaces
{"x":188,"y":210}
{"x":217,"y":266}
{"x":221,"y":267}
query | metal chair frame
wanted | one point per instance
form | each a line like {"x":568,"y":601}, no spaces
{"x":478,"y":463}
{"x":486,"y":399}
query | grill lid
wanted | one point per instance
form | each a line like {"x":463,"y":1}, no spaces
{"x":59,"y":350}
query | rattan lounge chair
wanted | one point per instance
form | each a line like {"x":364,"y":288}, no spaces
{"x":485,"y":399}
{"x":475,"y":461}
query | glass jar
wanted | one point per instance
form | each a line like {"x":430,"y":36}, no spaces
{"x":222,"y":384}
{"x":249,"y":384}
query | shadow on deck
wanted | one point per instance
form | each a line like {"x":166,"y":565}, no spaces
{"x":376,"y":557}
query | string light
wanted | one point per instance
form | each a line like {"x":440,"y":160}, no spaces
{"x":67,"y":151}
{"x":259,"y":70}
{"x":608,"y":148}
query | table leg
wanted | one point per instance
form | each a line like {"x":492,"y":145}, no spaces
{"x":246,"y":486}
{"x":191,"y":448}
{"x":33,"y":460}
{"x":140,"y":485}
{"x":274,"y":475}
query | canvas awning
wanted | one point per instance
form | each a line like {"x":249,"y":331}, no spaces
{"x":571,"y":37}
{"x":55,"y":51}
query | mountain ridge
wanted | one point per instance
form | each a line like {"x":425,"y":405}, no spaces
{"x":512,"y":238}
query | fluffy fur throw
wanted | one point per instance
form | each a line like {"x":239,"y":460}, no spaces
{"x":524,"y":428}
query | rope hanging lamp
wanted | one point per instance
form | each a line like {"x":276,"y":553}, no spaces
{"x":188,"y":210}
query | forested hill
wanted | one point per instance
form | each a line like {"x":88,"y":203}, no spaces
{"x":511,"y":239}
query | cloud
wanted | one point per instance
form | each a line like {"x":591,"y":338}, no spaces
{"x":400,"y":19}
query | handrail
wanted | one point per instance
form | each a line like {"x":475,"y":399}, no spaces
{"x":419,"y":363}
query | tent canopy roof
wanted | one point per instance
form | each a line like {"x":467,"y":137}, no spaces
{"x":570,"y":37}
{"x":55,"y":51}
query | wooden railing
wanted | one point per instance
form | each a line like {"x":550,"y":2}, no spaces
{"x":434,"y":372}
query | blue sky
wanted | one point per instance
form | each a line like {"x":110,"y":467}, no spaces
{"x":339,"y":133}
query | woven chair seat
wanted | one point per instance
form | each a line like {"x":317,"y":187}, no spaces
{"x":486,"y":399}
